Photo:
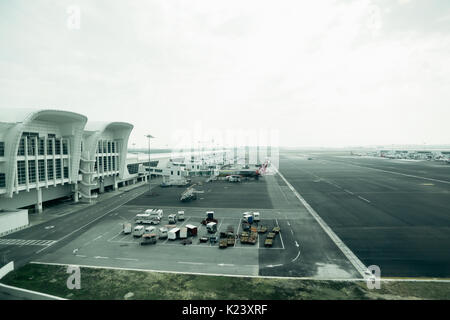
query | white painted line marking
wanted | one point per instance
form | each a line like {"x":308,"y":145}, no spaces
{"x":92,"y":221}
{"x":348,"y":191}
{"x":33,"y":292}
{"x":194,"y":263}
{"x":225,"y":265}
{"x":127,"y":259}
{"x":100,"y":257}
{"x":281,"y":238}
{"x":359,"y":266}
{"x":273,"y":265}
{"x":298,"y":255}
{"x":80,"y":255}
{"x":362,"y":198}
{"x":399,"y":173}
{"x":296,"y":244}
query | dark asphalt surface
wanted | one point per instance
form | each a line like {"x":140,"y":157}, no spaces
{"x":217,"y":194}
{"x":399,"y":223}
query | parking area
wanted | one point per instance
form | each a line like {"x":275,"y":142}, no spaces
{"x":227,"y":220}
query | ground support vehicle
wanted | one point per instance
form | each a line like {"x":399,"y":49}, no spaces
{"x":163,"y":233}
{"x":126,"y":228}
{"x":268,"y":242}
{"x":186,"y":241}
{"x":148,"y":238}
{"x":276,"y":230}
{"x":223,"y":243}
{"x":262,"y":229}
{"x":271,"y":235}
{"x":213,"y":239}
{"x":138,"y":231}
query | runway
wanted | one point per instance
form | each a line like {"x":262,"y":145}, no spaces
{"x":390,"y":213}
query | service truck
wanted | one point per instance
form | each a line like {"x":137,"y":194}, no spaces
{"x":180,"y":215}
{"x":138,"y":231}
{"x":256,"y":217}
{"x":126,"y":228}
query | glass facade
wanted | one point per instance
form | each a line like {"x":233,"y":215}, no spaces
{"x":21,"y":175}
{"x":2,"y":180}
{"x":41,"y":170}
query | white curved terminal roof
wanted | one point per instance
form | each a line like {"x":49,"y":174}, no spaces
{"x":102,"y":126}
{"x":23,"y":115}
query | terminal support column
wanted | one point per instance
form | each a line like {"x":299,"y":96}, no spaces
{"x":38,"y":206}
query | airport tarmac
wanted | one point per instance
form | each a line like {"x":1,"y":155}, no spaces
{"x":302,"y":248}
{"x":390,"y":213}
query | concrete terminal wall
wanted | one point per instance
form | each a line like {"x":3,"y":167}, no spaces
{"x":12,"y":221}
{"x":25,"y":198}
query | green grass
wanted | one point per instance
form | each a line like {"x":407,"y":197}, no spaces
{"x":115,"y":284}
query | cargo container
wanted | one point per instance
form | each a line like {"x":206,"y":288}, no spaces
{"x":211,"y":227}
{"x":192,"y":230}
{"x":126,"y":228}
{"x":183,"y":233}
{"x":173,"y":234}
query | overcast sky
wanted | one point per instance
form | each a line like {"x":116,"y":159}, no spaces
{"x":320,"y":73}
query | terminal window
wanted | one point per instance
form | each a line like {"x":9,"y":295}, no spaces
{"x":2,"y":180}
{"x":31,"y":171}
{"x":57,"y":146}
{"x":58,"y":168}
{"x":21,"y":175}
{"x":41,"y":147}
{"x":50,"y":169}
{"x":21,"y":150}
{"x":2,"y":149}
{"x":41,"y":170}
{"x":64,"y":145}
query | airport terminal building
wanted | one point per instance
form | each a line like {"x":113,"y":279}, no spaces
{"x":48,"y":154}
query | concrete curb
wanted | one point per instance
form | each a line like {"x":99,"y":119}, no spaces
{"x":44,"y":295}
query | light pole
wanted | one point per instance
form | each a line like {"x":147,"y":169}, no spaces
{"x":149,"y":136}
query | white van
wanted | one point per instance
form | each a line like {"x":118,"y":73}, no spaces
{"x":163,"y":233}
{"x":256,"y":217}
{"x":150,"y":229}
{"x":126,"y":228}
{"x":180,"y":215}
{"x":138,"y":231}
{"x":172,"y":218}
